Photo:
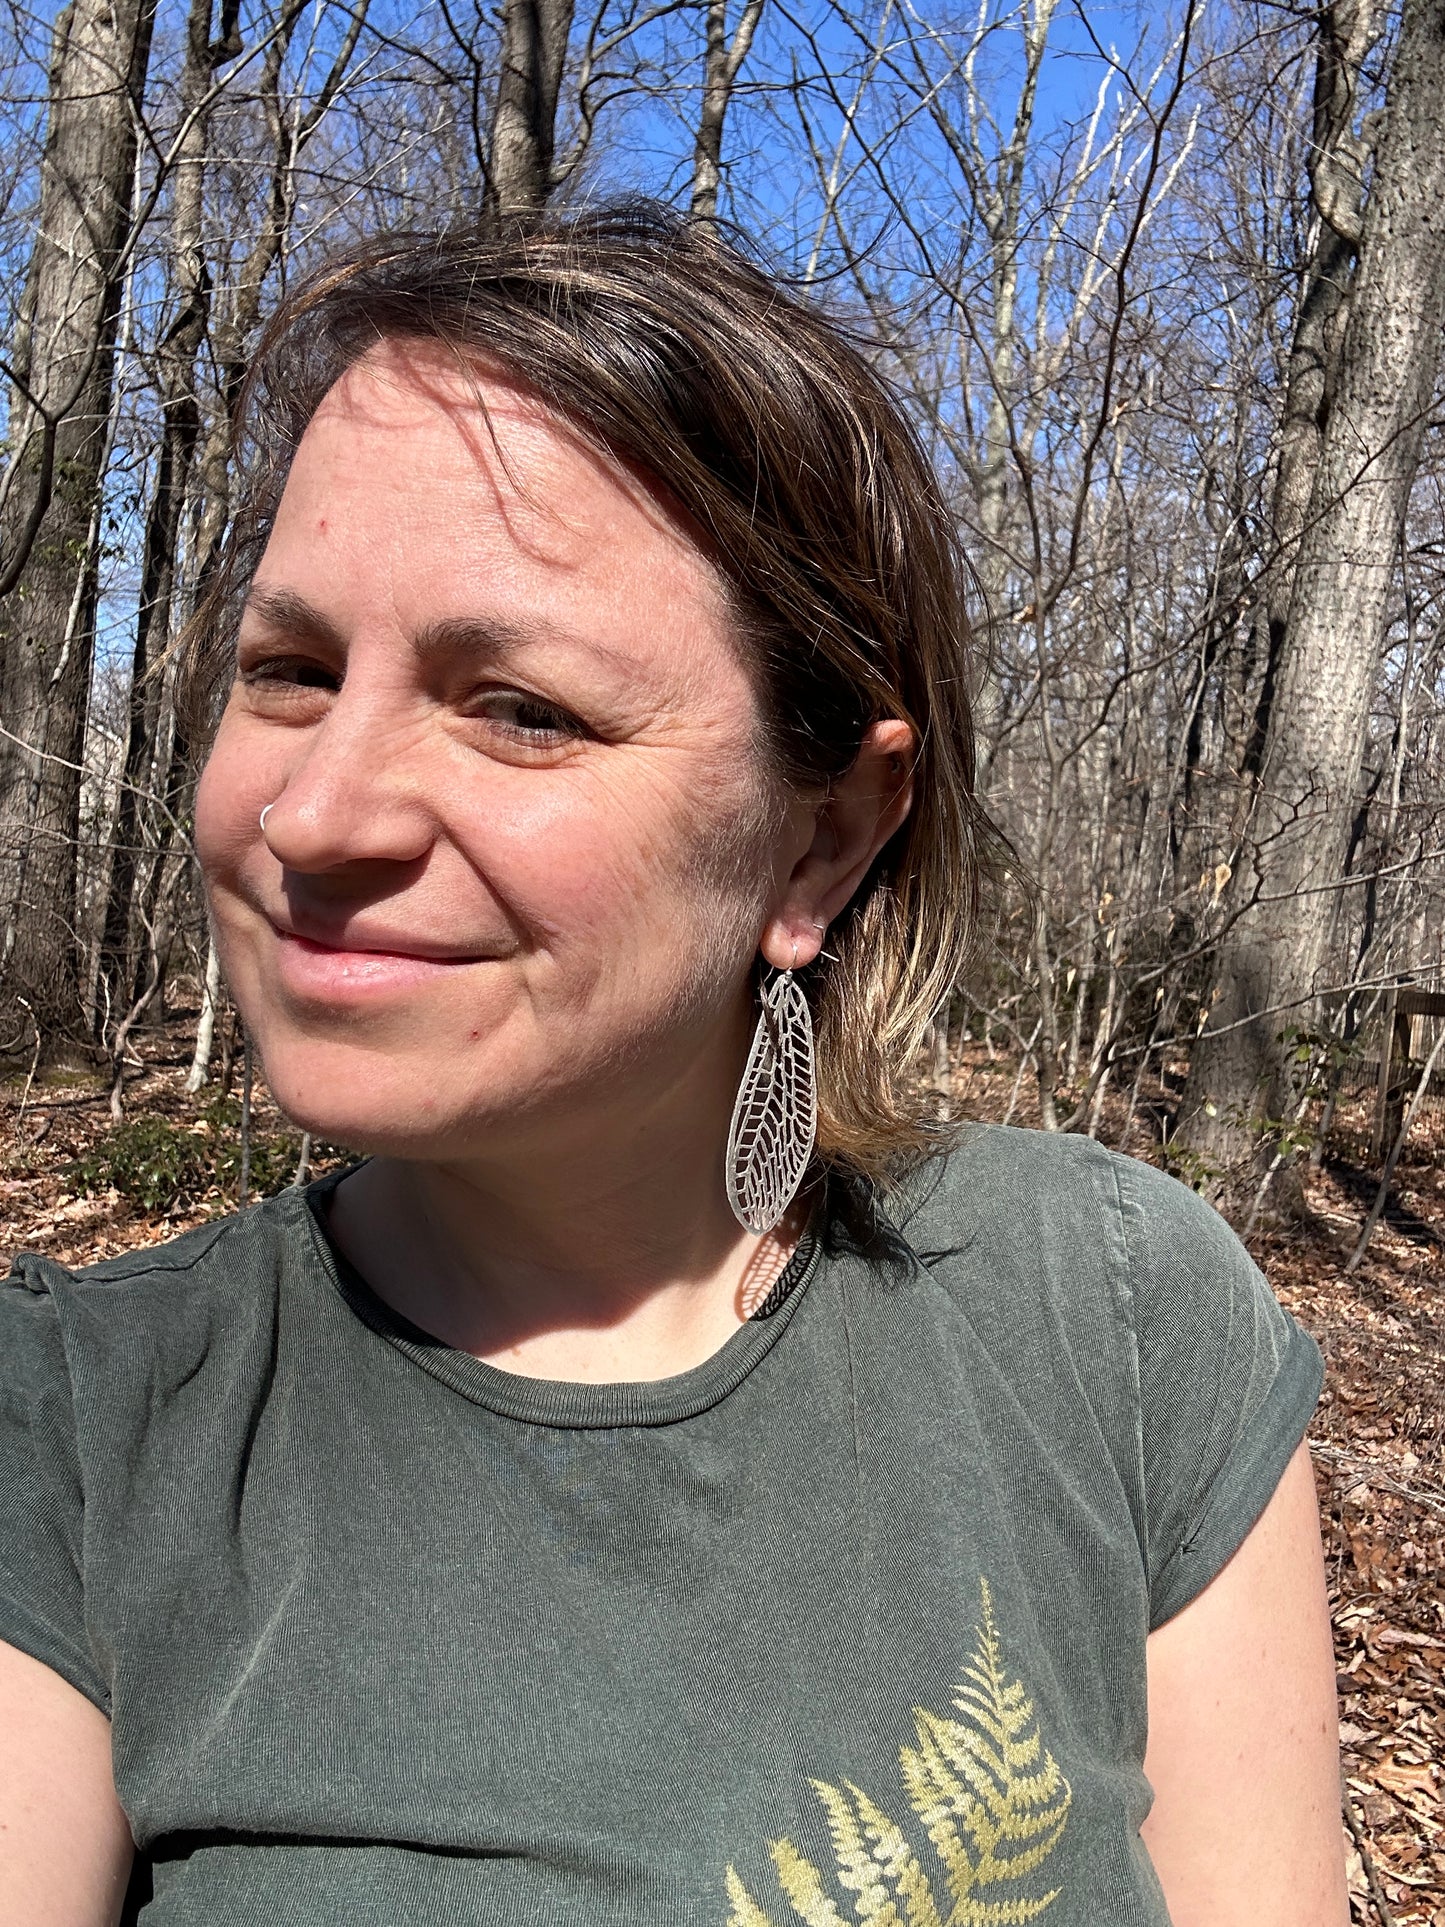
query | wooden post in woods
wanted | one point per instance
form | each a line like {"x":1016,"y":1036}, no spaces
{"x":1393,"y":1088}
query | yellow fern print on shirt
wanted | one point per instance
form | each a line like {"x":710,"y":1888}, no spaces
{"x":987,"y":1793}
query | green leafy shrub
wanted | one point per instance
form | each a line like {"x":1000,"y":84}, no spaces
{"x":159,"y":1163}
{"x":1191,"y":1167}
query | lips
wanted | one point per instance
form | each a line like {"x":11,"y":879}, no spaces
{"x":359,"y":944}
{"x":312,"y":971}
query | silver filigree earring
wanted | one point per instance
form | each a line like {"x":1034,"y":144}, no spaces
{"x":775,"y":1118}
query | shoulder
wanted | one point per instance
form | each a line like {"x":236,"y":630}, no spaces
{"x":1059,"y":1196}
{"x":197,"y":1257}
{"x":1055,"y":1195}
{"x":1046,"y":1233}
{"x":36,"y":1280}
{"x":1021,"y":1234}
{"x":156,"y":1310}
{"x":122,"y":1384}
{"x":1077,"y":1265}
{"x":1009,"y":1161}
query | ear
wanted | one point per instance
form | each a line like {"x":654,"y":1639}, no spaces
{"x":862,"y":809}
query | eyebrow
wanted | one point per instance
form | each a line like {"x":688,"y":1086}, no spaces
{"x":284,"y":609}
{"x":488,"y":637}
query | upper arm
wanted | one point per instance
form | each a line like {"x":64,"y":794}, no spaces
{"x":65,"y":1845}
{"x":1243,"y":1751}
{"x":1227,"y":1384}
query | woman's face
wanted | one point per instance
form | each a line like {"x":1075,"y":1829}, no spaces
{"x":519,"y":842}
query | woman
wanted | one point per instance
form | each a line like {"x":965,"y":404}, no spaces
{"x":667,"y":1480}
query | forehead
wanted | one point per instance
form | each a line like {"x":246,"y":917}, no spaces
{"x":459,"y":478}
{"x":442,"y":520}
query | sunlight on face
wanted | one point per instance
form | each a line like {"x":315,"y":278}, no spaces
{"x":520,"y":841}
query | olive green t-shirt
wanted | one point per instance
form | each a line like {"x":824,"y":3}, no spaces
{"x":847,"y":1623}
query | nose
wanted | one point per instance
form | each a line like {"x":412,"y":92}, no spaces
{"x":356,"y":795}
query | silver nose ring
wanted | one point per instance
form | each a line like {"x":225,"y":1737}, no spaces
{"x":265,"y":813}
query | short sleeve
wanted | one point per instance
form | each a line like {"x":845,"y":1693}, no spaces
{"x":1228,"y":1382}
{"x":42,"y":1594}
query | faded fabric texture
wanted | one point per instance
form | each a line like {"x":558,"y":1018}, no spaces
{"x":856,"y":1607}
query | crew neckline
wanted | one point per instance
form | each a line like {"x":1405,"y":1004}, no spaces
{"x":569,"y":1403}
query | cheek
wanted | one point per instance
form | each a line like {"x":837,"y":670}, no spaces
{"x":584,"y":864}
{"x":221,"y":806}
{"x":234,"y":787}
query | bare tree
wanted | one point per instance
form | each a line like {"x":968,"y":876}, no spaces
{"x":1338,"y":159}
{"x":535,"y":34}
{"x":1285,"y":882}
{"x":49,"y":528}
{"x":1126,"y":294}
{"x":118,"y":985}
{"x":722,"y":63}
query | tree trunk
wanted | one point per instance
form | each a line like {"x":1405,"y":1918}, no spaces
{"x":1282,"y":891}
{"x":999,"y":205}
{"x":524,"y":132}
{"x":234,"y":322}
{"x":59,"y":411}
{"x":721,"y":66}
{"x":206,"y":1022}
{"x":120,"y":959}
{"x":1347,"y":31}
{"x":1338,"y":158}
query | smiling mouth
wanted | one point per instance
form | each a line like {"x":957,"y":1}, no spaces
{"x":325,"y":974}
{"x":312,"y":947}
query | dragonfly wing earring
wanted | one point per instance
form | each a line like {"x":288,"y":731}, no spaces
{"x":775,"y":1118}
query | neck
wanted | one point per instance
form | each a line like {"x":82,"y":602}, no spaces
{"x":613,"y":1257}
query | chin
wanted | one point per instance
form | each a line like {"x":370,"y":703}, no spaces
{"x":401,"y":1101}
{"x":375,"y":1101}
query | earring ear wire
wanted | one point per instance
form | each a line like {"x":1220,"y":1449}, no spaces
{"x":826,"y":955}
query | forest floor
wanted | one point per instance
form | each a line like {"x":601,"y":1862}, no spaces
{"x":71,"y":1187}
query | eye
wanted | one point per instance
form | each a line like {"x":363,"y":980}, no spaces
{"x":528,"y":719}
{"x":285,"y":687}
{"x":298,"y":672}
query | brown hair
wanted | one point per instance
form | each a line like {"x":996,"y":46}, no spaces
{"x":765,"y":422}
